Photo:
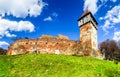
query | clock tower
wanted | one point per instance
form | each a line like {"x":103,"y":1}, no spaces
{"x":88,"y":33}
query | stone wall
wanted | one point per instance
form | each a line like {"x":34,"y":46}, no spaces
{"x":49,"y":45}
{"x":63,"y":37}
{"x":46,"y":44}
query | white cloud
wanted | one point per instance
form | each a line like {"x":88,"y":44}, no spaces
{"x":101,"y":18}
{"x":48,"y":19}
{"x":113,"y":15}
{"x":21,"y":8}
{"x":112,"y":18}
{"x":54,"y":14}
{"x":106,"y":26}
{"x":95,"y":5}
{"x":3,"y":43}
{"x":7,"y":26}
{"x":9,"y":35}
{"x":91,"y":5}
{"x":113,"y":0}
{"x":103,"y":1}
{"x":116,"y":35}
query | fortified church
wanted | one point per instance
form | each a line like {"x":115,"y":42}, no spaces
{"x":86,"y":46}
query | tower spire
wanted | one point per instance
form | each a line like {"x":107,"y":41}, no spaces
{"x":85,"y":12}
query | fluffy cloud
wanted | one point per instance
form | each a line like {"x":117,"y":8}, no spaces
{"x":7,"y":26}
{"x":113,"y":0}
{"x":48,"y":19}
{"x":91,"y":5}
{"x":21,"y":8}
{"x":95,"y":5}
{"x":116,"y":35}
{"x":52,"y":17}
{"x":113,"y":15}
{"x":101,"y":18}
{"x":111,"y":18}
{"x":3,"y":43}
{"x":106,"y":26}
{"x":54,"y":14}
{"x":103,"y":1}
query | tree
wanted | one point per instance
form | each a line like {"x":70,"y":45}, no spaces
{"x":26,"y":38}
{"x":109,"y":49}
{"x":118,"y":44}
{"x":2,"y":51}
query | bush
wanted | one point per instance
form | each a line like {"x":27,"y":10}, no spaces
{"x":2,"y":51}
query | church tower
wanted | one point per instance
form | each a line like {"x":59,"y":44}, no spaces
{"x":88,"y":33}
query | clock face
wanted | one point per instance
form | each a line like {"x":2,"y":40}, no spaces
{"x":85,"y":20}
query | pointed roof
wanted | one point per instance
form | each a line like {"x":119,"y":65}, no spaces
{"x":85,"y":13}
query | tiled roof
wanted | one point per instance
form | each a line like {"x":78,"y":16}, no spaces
{"x":86,"y":12}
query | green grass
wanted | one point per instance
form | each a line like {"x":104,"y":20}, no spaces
{"x":38,"y":65}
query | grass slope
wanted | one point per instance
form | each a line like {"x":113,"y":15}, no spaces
{"x":32,"y":65}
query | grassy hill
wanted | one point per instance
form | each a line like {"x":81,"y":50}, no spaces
{"x":32,"y":65}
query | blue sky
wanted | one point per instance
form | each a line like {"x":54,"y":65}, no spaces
{"x":33,"y":18}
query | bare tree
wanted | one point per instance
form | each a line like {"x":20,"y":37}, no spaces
{"x":109,"y":49}
{"x":2,"y":51}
